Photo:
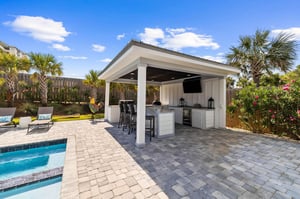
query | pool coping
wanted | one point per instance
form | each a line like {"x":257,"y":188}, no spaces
{"x":69,"y":187}
{"x":20,"y":181}
{"x":18,"y":147}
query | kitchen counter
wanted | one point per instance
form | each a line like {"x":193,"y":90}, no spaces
{"x":164,"y":121}
{"x":200,"y":117}
{"x":192,"y":107}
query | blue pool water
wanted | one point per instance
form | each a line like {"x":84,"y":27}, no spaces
{"x":47,"y":189}
{"x":27,"y":161}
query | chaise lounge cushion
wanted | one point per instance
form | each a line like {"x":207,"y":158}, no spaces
{"x":6,"y":116}
{"x":4,"y":119}
{"x":44,"y":117}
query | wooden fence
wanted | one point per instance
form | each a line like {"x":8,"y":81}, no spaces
{"x":62,"y":90}
{"x":232,"y":119}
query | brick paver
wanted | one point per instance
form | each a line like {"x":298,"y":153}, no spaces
{"x":96,"y":165}
{"x":215,"y":163}
{"x":103,"y":162}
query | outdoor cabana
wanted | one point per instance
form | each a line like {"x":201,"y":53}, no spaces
{"x":142,"y":64}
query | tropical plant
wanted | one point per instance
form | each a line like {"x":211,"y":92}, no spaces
{"x":230,"y":82}
{"x":2,"y":81}
{"x":120,"y":88}
{"x":271,"y":80}
{"x":92,"y":80}
{"x":259,"y":54}
{"x":243,"y":82}
{"x":151,"y":89}
{"x":44,"y":64}
{"x":295,"y":74}
{"x":11,"y":65}
{"x":123,"y":89}
{"x":270,"y":109}
{"x":28,"y":108}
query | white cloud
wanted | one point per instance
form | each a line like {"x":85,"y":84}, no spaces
{"x":175,"y":30}
{"x":98,"y":48}
{"x":294,"y":30}
{"x":189,"y":39}
{"x":121,"y":36}
{"x":177,"y":38}
{"x":60,"y":47}
{"x":106,"y":60}
{"x":73,"y":57}
{"x":39,"y":28}
{"x":218,"y":58}
{"x":152,"y":35}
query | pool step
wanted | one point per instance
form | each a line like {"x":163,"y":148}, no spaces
{"x":19,"y":165}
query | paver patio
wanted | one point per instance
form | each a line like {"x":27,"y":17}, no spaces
{"x":103,"y":162}
{"x":219,"y":164}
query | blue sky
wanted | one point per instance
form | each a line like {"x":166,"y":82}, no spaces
{"x":87,"y":34}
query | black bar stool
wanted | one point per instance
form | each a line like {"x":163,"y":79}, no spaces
{"x":126,"y":116}
{"x":132,"y":117}
{"x":151,"y":129}
{"x":122,"y":114}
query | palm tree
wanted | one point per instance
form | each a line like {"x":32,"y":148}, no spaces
{"x":92,"y":80}
{"x":258,"y":54}
{"x":11,"y":65}
{"x":151,"y":89}
{"x":293,"y":75}
{"x":44,"y":64}
{"x":230,"y":82}
{"x":271,"y":80}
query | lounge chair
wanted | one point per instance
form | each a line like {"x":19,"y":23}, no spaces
{"x":44,"y":118}
{"x":7,"y":116}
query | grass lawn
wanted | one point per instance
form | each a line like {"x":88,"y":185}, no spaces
{"x":63,"y":118}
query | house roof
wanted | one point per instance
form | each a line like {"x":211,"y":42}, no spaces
{"x":162,"y":64}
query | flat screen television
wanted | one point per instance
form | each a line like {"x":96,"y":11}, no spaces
{"x":192,"y":85}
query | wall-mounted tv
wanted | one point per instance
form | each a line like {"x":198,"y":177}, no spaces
{"x":192,"y":85}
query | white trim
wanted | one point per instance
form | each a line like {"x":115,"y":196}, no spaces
{"x":136,"y":54}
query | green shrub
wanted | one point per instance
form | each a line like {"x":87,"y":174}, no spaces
{"x":70,"y":109}
{"x":270,"y":109}
{"x":73,"y":109}
{"x":28,"y":109}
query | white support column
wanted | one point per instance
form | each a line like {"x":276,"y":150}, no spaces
{"x":222,"y":120}
{"x":107,"y":89}
{"x":141,"y":105}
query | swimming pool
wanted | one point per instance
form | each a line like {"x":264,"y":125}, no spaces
{"x":25,"y":160}
{"x":32,"y":169}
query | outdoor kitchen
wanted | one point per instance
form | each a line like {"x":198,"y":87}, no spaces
{"x":197,"y":110}
{"x":192,"y":89}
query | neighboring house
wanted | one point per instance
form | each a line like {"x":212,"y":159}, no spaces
{"x":12,"y":50}
{"x":142,"y":64}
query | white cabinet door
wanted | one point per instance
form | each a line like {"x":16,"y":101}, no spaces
{"x":209,"y":119}
{"x":178,"y":114}
{"x":166,"y":124}
{"x":203,"y":118}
